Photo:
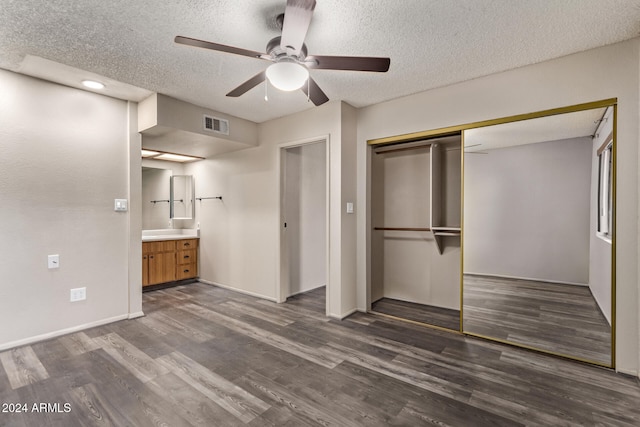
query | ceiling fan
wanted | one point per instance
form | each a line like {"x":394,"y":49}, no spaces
{"x":291,"y":64}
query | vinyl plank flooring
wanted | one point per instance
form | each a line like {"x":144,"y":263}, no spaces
{"x":229,"y":396}
{"x":191,"y":404}
{"x":428,"y":314}
{"x":22,"y":367}
{"x":204,"y":356}
{"x":562,"y":319}
{"x":130,"y":357}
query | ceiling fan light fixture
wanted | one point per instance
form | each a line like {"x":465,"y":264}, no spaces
{"x":287,"y":76}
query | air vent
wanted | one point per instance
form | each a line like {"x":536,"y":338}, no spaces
{"x":215,"y":124}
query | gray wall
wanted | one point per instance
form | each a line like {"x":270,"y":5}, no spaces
{"x":527,"y":211}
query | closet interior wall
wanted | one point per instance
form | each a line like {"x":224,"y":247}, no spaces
{"x":416,"y":185}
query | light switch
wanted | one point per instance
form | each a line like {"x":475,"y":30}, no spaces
{"x":53,"y":261}
{"x":349,"y":207}
{"x":120,"y":205}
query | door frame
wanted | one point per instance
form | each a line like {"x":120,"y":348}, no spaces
{"x":282,"y":276}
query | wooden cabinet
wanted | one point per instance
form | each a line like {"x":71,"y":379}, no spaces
{"x":186,"y":259}
{"x":169,"y":260}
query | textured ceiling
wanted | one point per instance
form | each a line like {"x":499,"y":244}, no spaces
{"x":431,"y":43}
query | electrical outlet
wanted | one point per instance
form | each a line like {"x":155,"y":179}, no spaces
{"x":78,"y":294}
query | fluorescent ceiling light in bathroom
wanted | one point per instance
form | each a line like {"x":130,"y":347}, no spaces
{"x":149,"y":153}
{"x":171,"y":157}
{"x":175,"y":157}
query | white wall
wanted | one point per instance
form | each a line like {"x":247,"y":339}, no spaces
{"x":527,"y":211}
{"x":239,"y":237}
{"x":597,"y":74}
{"x":65,"y":158}
{"x":305,"y":212}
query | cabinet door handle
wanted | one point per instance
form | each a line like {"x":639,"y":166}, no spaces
{"x":187,"y":244}
{"x":186,"y":256}
{"x":151,"y":257}
{"x":186,"y":271}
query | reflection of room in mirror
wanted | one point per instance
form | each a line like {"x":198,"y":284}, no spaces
{"x":155,"y":198}
{"x":536,"y":273}
{"x":182,"y":199}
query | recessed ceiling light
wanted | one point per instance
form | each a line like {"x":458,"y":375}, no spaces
{"x":91,"y":84}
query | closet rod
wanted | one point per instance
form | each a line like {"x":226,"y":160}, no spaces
{"x":393,"y":150}
{"x":401,"y":229}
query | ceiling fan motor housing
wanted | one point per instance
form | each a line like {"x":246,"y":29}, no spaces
{"x":277,"y":52}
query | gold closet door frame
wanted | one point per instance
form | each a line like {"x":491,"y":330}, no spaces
{"x":457,"y":129}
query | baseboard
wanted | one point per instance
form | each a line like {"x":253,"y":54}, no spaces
{"x":60,"y":332}
{"x":344,"y":315}
{"x":307,"y":290}
{"x":630,"y":373}
{"x":501,"y":276}
{"x":242,"y":291}
{"x":135,"y":315}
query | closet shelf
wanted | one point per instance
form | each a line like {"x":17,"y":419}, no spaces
{"x":446,"y":231}
{"x":401,"y":229}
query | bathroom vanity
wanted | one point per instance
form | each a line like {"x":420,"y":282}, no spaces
{"x":169,"y":256}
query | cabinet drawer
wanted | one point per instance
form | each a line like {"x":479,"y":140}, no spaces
{"x":189,"y":256}
{"x":161,"y":246}
{"x":187,"y":271}
{"x":187,"y":244}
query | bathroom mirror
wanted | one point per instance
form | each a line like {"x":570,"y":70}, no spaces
{"x":538,"y":232}
{"x":182,"y":197}
{"x":155,"y":198}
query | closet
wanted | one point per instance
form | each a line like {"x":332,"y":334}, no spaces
{"x":415,"y":238}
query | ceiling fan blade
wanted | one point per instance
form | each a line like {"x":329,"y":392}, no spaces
{"x":248,"y":85}
{"x":297,"y":17}
{"x":349,"y":63}
{"x":316,"y":95}
{"x":219,"y":47}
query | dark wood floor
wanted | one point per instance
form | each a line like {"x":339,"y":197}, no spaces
{"x":211,"y":357}
{"x":562,"y":319}
{"x":437,"y":316}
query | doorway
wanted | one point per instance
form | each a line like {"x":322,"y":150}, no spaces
{"x":303,"y":218}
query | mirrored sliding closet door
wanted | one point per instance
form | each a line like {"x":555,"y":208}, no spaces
{"x":538,"y":232}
